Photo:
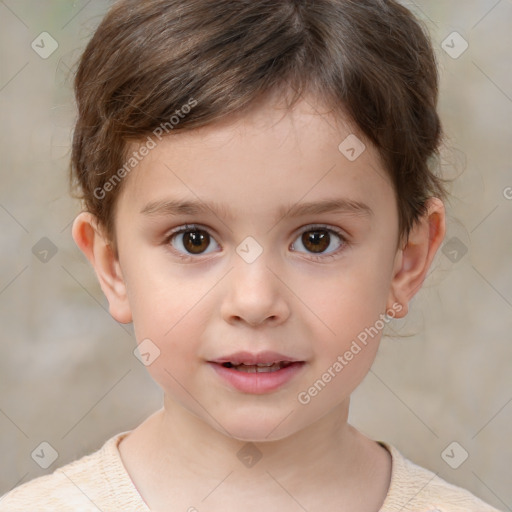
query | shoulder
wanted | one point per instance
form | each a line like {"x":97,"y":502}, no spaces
{"x":417,"y":489}
{"x":83,"y":485}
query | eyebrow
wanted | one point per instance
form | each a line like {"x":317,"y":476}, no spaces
{"x":173,"y":207}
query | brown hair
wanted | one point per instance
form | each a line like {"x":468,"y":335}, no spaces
{"x":368,"y":59}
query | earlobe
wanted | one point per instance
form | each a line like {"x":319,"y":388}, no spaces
{"x":91,"y":241}
{"x":414,"y":259}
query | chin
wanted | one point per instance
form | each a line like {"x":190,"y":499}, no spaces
{"x":255,"y":427}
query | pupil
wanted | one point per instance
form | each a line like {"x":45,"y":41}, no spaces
{"x":319,"y":239}
{"x":194,"y":241}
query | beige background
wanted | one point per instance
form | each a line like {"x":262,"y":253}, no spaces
{"x":68,"y":375}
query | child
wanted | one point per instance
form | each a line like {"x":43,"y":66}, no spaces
{"x":257,"y":197}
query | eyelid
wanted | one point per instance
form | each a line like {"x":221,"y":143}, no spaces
{"x":327,"y":227}
{"x":186,"y":227}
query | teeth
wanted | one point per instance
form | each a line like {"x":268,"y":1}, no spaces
{"x":260,"y":367}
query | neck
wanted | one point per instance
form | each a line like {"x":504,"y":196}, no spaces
{"x":200,"y":450}
{"x":174,"y":452}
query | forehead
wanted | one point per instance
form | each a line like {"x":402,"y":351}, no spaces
{"x":268,"y":153}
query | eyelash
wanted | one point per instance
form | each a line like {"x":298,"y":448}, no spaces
{"x":313,"y":227}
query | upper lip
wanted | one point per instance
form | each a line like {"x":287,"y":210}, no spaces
{"x":248,"y":358}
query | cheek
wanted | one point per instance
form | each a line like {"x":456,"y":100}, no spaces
{"x":168,"y":309}
{"x":346,"y":338}
{"x":171,"y":323}
{"x":161,"y":301}
{"x":348,"y":306}
{"x":348,"y":299}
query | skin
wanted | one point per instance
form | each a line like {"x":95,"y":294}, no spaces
{"x":290,"y":300}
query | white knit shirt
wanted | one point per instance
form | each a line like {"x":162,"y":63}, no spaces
{"x":100,"y":482}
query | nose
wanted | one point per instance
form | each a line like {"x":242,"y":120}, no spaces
{"x":255,"y":295}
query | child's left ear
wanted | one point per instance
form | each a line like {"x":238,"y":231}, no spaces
{"x":413,"y":261}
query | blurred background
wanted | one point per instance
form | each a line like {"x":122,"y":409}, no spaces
{"x":442,"y":396}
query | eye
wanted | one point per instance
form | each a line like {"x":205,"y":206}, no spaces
{"x":190,"y":240}
{"x":320,"y":242}
{"x":318,"y":239}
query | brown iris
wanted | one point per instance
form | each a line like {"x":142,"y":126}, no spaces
{"x":316,"y":240}
{"x":196,"y":241}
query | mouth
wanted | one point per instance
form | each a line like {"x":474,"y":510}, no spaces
{"x":258,"y":368}
{"x":258,"y":378}
{"x":257,"y":373}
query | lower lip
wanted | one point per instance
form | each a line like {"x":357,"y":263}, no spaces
{"x":258,"y":383}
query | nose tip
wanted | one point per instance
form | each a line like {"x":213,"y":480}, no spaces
{"x":255,"y":322}
{"x":254,"y":295}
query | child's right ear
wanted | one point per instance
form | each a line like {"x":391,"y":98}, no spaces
{"x":90,"y":239}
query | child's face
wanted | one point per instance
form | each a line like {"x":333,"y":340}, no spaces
{"x":204,"y":304}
